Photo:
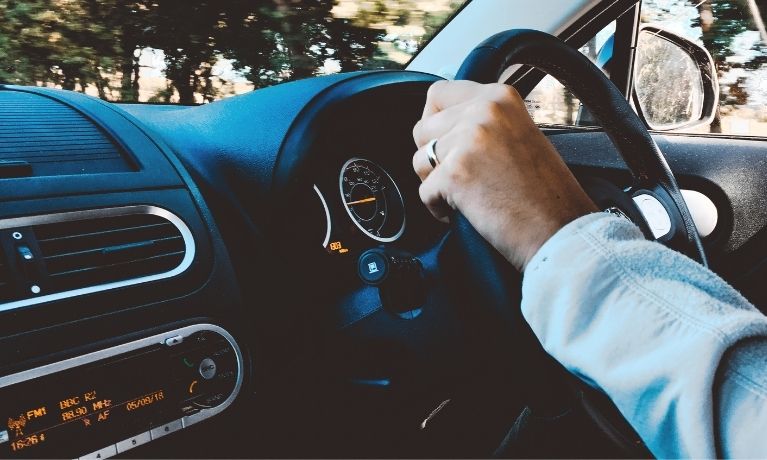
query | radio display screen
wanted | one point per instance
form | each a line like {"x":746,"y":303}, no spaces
{"x":65,"y":414}
{"x":84,"y":405}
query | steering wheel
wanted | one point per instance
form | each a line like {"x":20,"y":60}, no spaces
{"x":649,"y":170}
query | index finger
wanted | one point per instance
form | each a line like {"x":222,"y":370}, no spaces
{"x":444,"y":94}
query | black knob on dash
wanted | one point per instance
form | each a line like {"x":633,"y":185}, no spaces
{"x":398,"y":276}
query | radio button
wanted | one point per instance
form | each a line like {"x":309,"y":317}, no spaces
{"x":189,"y":408}
{"x":207,"y":368}
{"x":135,"y":441}
{"x":168,"y":428}
{"x":204,"y":337}
{"x":214,"y":399}
{"x":109,"y":451}
{"x":223,"y":349}
{"x":175,"y":340}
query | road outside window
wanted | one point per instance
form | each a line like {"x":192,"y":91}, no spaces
{"x":551,"y":103}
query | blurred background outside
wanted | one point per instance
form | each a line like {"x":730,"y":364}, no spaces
{"x":196,"y":51}
{"x":733,"y":31}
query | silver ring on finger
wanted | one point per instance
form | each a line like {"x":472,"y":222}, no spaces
{"x":431,"y":154}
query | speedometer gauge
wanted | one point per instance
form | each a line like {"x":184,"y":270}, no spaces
{"x":372,"y":200}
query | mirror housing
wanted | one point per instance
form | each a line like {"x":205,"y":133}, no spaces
{"x":675,"y":81}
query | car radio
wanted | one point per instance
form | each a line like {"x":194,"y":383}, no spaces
{"x":104,"y":403}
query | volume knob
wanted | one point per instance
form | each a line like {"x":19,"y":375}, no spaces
{"x":207,"y":368}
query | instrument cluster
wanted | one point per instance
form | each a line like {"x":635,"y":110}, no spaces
{"x":364,"y":207}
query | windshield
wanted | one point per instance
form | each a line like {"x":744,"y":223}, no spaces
{"x":196,"y":51}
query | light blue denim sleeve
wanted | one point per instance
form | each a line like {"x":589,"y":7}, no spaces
{"x":680,"y":352}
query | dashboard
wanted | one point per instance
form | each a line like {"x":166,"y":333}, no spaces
{"x":121,"y":248}
{"x":112,"y":272}
{"x":185,"y":281}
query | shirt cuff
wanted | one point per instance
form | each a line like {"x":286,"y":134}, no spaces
{"x":643,"y":323}
{"x":567,"y":237}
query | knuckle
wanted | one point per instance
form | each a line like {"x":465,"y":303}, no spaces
{"x":425,"y":194}
{"x":494,"y":110}
{"x":458,"y":168}
{"x":419,"y":164}
{"x":435,"y":88}
{"x":488,"y":112}
{"x":505,"y":93}
{"x":417,"y":130}
{"x":475,"y":134}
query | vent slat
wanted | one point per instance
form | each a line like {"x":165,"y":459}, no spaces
{"x":98,"y":224}
{"x":116,"y":248}
{"x":106,"y":248}
{"x":176,"y":255}
{"x":55,"y":138}
{"x":97,"y":240}
{"x":6,"y":287}
{"x":102,"y":232}
{"x":37,"y":150}
{"x":97,"y":251}
{"x":92,"y":276}
{"x":114,"y":254}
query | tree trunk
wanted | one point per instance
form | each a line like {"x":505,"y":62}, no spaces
{"x":68,"y":82}
{"x":208,"y":91}
{"x":127,"y":90}
{"x":706,"y":21}
{"x":182,"y":80}
{"x":101,"y":88}
{"x":136,"y":75}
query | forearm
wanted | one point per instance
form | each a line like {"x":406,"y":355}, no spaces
{"x":649,"y":327}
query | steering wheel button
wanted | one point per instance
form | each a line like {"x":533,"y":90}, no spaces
{"x":373,"y":267}
{"x":655,"y":214}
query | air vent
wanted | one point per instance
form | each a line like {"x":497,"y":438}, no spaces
{"x":6,"y":287}
{"x":97,"y":251}
{"x":57,"y":256}
{"x":53,"y":139}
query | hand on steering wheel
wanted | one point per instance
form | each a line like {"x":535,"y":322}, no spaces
{"x":502,"y":180}
{"x":534,"y":172}
{"x":496,"y":166}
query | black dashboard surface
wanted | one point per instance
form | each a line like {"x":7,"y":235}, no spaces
{"x":240,"y":173}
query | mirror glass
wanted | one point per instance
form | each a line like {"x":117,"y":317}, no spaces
{"x":668,"y":83}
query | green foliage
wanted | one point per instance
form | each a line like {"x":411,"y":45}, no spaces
{"x":49,"y":41}
{"x":77,"y":43}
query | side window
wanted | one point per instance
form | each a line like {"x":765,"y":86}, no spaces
{"x":733,"y":32}
{"x":551,"y":103}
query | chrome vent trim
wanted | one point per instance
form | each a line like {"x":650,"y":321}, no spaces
{"x":6,"y":287}
{"x":31,"y":221}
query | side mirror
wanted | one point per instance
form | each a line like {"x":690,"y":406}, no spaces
{"x":675,"y":81}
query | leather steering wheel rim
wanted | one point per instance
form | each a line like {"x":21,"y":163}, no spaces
{"x":649,"y":170}
{"x":648,"y":166}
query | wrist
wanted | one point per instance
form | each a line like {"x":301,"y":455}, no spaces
{"x":546,"y":230}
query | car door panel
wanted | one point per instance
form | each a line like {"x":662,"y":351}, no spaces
{"x":732,"y":172}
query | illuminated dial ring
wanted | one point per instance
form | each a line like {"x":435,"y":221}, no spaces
{"x":372,"y":200}
{"x":326,"y":240}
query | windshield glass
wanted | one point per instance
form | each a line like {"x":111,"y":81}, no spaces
{"x":196,"y":51}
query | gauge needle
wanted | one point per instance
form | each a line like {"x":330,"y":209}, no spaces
{"x":364,"y":200}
